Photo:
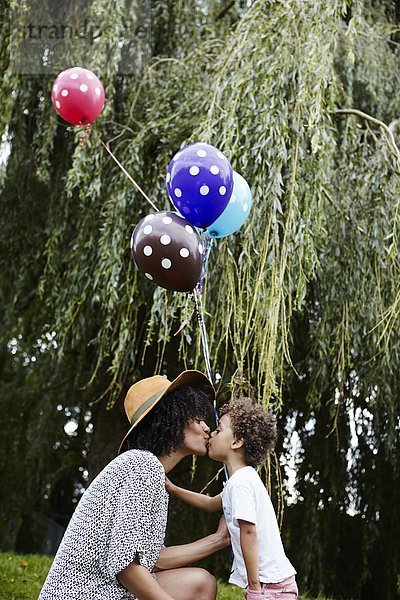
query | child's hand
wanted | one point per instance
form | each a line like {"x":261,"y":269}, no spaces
{"x":253,"y":594}
{"x":168,"y":485}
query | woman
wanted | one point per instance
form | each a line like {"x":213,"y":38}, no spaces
{"x":113,"y":546}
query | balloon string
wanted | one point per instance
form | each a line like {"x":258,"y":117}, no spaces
{"x":197,"y":293}
{"x":203,"y":333}
{"x":128,"y":175}
{"x":206,"y":352}
{"x":206,"y":242}
{"x":85,"y":135}
{"x":209,"y":242}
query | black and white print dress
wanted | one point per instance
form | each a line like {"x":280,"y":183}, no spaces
{"x":122,"y":515}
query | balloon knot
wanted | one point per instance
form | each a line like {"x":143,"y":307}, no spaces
{"x":88,"y":127}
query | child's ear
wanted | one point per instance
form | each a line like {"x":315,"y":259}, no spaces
{"x":237,"y":443}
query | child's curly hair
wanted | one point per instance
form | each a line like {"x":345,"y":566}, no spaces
{"x":255,"y":425}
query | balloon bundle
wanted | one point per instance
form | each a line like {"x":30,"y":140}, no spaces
{"x":171,"y":248}
{"x":212,"y":201}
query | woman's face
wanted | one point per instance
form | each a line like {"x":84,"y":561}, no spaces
{"x":197,"y":434}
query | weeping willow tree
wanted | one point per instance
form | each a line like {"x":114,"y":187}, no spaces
{"x":302,"y":305}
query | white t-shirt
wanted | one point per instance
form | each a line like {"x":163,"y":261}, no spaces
{"x":245,"y":497}
{"x":122,"y":515}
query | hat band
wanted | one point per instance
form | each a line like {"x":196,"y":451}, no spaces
{"x":149,"y":402}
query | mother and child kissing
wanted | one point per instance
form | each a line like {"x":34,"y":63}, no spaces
{"x":245,"y":434}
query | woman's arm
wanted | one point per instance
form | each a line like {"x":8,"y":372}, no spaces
{"x":207,"y":503}
{"x":249,"y":546}
{"x":138,"y":580}
{"x":185,"y":554}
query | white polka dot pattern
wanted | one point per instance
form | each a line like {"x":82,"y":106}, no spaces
{"x":237,"y":210}
{"x":122,"y":513}
{"x":167,"y":252}
{"x":78,"y":96}
{"x":204,"y":178}
{"x":165,"y":240}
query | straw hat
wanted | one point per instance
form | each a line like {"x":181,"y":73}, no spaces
{"x":143,"y":395}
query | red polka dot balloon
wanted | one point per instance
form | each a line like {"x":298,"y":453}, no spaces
{"x":78,"y":96}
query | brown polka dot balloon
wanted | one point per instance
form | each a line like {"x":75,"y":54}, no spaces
{"x":167,"y":250}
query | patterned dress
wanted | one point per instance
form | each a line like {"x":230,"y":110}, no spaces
{"x":122,"y":515}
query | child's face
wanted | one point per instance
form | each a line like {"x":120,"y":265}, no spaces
{"x":221,"y":440}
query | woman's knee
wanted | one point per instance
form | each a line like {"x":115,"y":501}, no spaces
{"x":204,"y":585}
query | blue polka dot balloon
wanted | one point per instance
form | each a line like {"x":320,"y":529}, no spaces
{"x":236,"y":212}
{"x":200,"y":183}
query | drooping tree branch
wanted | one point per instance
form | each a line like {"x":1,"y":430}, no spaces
{"x":387,"y":129}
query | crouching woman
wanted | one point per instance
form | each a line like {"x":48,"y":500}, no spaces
{"x":113,"y":546}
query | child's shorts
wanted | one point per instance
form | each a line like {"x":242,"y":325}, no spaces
{"x":284,"y":590}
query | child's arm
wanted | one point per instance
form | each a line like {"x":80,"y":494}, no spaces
{"x":249,"y":546}
{"x":193,"y":498}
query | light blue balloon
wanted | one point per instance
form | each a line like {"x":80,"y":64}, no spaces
{"x":236,"y":211}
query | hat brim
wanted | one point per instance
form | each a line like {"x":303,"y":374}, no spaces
{"x":191,"y":377}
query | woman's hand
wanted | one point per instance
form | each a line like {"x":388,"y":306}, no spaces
{"x":168,"y":485}
{"x":223,"y":532}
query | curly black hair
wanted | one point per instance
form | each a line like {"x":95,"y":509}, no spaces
{"x":161,"y":430}
{"x":255,"y":425}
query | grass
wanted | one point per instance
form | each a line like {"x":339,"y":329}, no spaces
{"x":22,"y":576}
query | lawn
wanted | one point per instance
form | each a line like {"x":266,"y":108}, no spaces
{"x":22,"y":576}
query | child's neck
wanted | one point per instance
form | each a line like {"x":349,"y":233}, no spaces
{"x":235,"y":462}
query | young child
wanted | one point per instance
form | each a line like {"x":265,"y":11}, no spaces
{"x":242,"y":440}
